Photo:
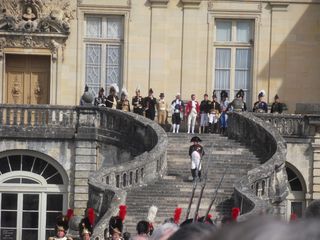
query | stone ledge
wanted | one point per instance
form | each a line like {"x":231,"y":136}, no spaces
{"x":159,"y":3}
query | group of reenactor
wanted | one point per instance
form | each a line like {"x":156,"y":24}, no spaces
{"x":212,"y":114}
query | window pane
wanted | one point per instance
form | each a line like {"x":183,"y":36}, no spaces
{"x":93,"y":67}
{"x":222,"y":70}
{"x":8,"y":219}
{"x":4,"y":166}
{"x":50,"y":170}
{"x":27,"y":162}
{"x":15,"y":162}
{"x":114,"y":28}
{"x":56,"y":179}
{"x":243,"y":31}
{"x":54,"y":202}
{"x":243,"y":71}
{"x":223,"y":33}
{"x":9,"y":201}
{"x":30,"y":202}
{"x":52,"y":219}
{"x":8,"y":234}
{"x":94,"y":27}
{"x":28,"y":181}
{"x":29,"y":234}
{"x":39,"y":165}
{"x":113,"y":65}
{"x":30,"y":220}
{"x":14,"y":180}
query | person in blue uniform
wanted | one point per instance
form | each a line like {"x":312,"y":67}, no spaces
{"x":260,"y":106}
{"x":224,"y":104}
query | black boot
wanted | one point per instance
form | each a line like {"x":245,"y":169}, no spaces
{"x":193,"y":173}
{"x":206,"y":129}
{"x":210,"y":128}
{"x":201,"y":130}
{"x":199,"y":174}
{"x":215,"y":127}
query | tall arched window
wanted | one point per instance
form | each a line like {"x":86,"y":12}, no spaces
{"x":33,"y":193}
{"x":297,"y":189}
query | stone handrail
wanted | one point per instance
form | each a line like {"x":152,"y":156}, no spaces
{"x":264,"y":187}
{"x":108,"y":185}
{"x":144,"y":139}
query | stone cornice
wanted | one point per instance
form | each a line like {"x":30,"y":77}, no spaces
{"x":159,"y":3}
{"x":190,"y":3}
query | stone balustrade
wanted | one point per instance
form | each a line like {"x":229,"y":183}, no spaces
{"x":265,"y":187}
{"x":289,"y":125}
{"x":144,"y":140}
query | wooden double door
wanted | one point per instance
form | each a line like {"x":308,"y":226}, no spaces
{"x":27,"y":79}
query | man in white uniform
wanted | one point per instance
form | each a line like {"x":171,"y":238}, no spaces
{"x":196,"y":152}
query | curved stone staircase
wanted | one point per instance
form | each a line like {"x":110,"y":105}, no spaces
{"x":175,"y":189}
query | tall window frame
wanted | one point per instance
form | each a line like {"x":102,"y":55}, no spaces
{"x":33,"y":175}
{"x":103,"y":40}
{"x":235,"y":71}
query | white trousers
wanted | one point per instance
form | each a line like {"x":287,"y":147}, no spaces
{"x":195,"y":160}
{"x":213,"y":118}
{"x":192,"y":121}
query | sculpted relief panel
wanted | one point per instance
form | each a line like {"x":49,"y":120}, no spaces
{"x":35,"y":24}
{"x":36,"y":15}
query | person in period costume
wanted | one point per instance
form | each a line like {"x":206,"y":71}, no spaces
{"x":224,"y":104}
{"x":260,"y":106}
{"x":137,"y":103}
{"x":150,"y":105}
{"x":86,"y":98}
{"x":238,"y":105}
{"x":277,"y":106}
{"x":123,"y":103}
{"x":116,"y":225}
{"x":143,"y":231}
{"x":177,"y":107}
{"x":152,"y":213}
{"x":162,"y":108}
{"x":196,"y":152}
{"x":112,"y":99}
{"x":101,"y":100}
{"x":204,"y":112}
{"x":87,"y":223}
{"x":192,"y":111}
{"x":215,"y":111}
{"x":62,"y":227}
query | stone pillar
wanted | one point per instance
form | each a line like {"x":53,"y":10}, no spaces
{"x":85,"y":163}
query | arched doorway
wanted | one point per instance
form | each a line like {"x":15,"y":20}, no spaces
{"x":33,"y":192}
{"x":296,"y":202}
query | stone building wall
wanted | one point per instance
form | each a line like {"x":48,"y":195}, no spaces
{"x":169,"y":46}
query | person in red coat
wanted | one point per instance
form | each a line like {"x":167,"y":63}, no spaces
{"x":192,"y":111}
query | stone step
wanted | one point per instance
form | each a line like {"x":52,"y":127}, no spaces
{"x":175,"y":189}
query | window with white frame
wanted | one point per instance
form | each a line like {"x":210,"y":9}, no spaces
{"x":103,"y":45}
{"x":32,"y":196}
{"x":233,"y":44}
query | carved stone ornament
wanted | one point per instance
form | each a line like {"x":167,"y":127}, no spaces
{"x":35,"y":23}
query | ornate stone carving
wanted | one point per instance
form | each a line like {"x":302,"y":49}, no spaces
{"x":35,"y":24}
{"x":36,"y":16}
{"x":16,"y":91}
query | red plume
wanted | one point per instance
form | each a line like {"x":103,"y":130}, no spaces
{"x":122,"y":212}
{"x":69,"y":213}
{"x":91,"y":216}
{"x":177,"y":215}
{"x":209,"y":216}
{"x":235,"y":213}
